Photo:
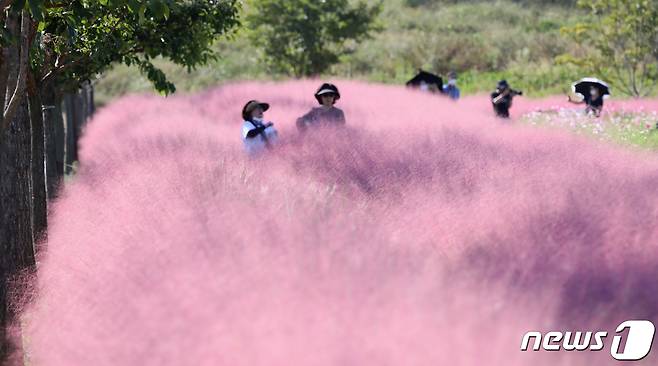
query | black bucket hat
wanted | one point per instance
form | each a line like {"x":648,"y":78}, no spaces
{"x":502,"y":84}
{"x":327,"y":88}
{"x":250,"y":106}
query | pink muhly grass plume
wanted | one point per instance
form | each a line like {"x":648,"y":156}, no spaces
{"x":426,"y":233}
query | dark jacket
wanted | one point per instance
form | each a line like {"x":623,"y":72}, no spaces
{"x":504,"y":104}
{"x":321,"y":116}
{"x":595,"y":103}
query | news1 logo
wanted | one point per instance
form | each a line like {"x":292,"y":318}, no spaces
{"x":638,"y":341}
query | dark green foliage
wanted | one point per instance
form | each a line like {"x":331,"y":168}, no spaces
{"x":415,"y":3}
{"x":306,"y":37}
{"x":619,"y":41}
{"x":90,"y":36}
{"x":483,"y":42}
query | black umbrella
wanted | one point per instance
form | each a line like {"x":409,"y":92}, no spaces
{"x":428,"y":78}
{"x":583,"y":86}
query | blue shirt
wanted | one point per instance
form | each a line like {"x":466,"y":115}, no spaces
{"x":451,"y":90}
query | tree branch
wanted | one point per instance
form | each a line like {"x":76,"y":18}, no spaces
{"x":643,"y":79}
{"x":61,"y":67}
{"x":4,"y":76}
{"x":620,"y":79}
{"x":19,"y":91}
{"x":52,"y":73}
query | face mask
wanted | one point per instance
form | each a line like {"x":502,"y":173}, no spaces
{"x":424,"y":87}
{"x":257,"y":119}
{"x":452,"y":82}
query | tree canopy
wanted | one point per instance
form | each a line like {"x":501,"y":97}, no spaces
{"x":83,"y":39}
{"x":305,"y":37}
{"x":621,"y":43}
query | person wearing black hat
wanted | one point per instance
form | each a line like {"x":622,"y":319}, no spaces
{"x":257,"y":135}
{"x":501,"y":99}
{"x":325,"y":115}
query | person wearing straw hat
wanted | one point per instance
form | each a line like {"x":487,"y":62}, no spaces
{"x":257,"y":135}
{"x":326,"y":114}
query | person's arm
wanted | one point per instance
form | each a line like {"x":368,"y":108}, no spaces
{"x":574,"y":101}
{"x":270,"y":131}
{"x":246,"y":130}
{"x":255,"y":131}
{"x":500,"y":98}
{"x":341,"y":117}
{"x":304,"y":120}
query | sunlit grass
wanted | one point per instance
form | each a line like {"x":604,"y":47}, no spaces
{"x":634,"y":128}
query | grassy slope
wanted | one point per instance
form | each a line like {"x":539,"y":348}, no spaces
{"x":478,"y":39}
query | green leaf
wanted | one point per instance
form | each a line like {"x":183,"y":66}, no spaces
{"x":18,"y":5}
{"x":36,"y":9}
{"x":97,"y":34}
{"x":158,"y":8}
{"x":142,"y":11}
{"x":72,"y":35}
{"x":134,"y":5}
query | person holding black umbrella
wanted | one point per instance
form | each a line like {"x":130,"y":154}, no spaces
{"x":426,"y":82}
{"x":326,"y":114}
{"x":593,"y":92}
{"x":501,"y":98}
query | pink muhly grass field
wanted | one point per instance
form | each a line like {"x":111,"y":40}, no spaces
{"x":426,"y":233}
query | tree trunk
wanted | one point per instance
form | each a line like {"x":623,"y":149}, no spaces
{"x":78,"y":108}
{"x":37,"y":166}
{"x":4,"y":77}
{"x":16,"y":245}
{"x":87,"y":92}
{"x":79,"y":115}
{"x":90,"y":101}
{"x":9,"y":69}
{"x":54,"y":136}
{"x":12,"y":141}
{"x":60,"y":137}
{"x":16,"y":96}
{"x":70,"y":139}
